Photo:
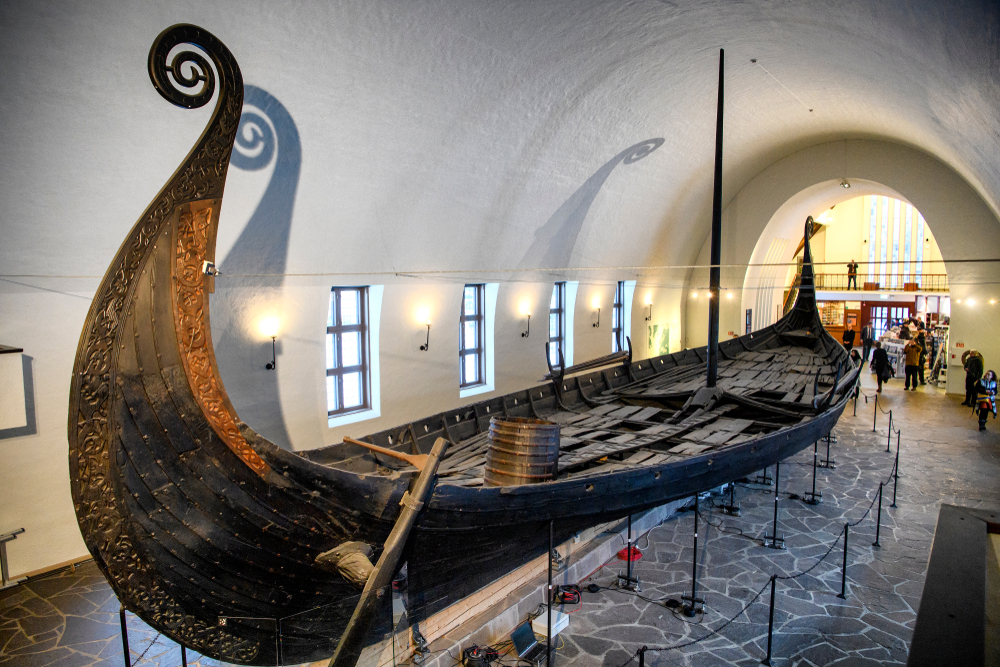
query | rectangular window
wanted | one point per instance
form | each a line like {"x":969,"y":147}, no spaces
{"x":919,"y":270}
{"x":618,"y":319}
{"x":557,"y":324}
{"x":347,"y":365}
{"x":907,"y":245}
{"x":872,"y":240}
{"x":471,"y":345}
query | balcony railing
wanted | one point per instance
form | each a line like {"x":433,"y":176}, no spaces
{"x":927,"y":282}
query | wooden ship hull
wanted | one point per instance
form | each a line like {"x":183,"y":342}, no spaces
{"x":212,"y":534}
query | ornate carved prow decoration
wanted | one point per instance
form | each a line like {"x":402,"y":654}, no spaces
{"x":181,"y":220}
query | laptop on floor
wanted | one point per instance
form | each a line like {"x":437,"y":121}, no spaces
{"x":526,"y":644}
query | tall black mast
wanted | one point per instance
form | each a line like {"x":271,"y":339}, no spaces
{"x":714,"y":276}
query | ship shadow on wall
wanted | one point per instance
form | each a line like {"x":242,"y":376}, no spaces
{"x":555,"y":241}
{"x":251,"y":281}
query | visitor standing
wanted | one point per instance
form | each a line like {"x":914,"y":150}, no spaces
{"x":849,"y":334}
{"x":973,"y":363}
{"x":852,"y":274}
{"x":922,"y":342}
{"x":912,"y":351}
{"x":986,"y":399}
{"x":880,"y":362}
{"x":867,"y":338}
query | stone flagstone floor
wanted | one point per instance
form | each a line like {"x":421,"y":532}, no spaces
{"x":943,"y":459}
{"x":70,"y":619}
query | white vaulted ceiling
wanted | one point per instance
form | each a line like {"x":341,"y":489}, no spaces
{"x":445,"y":135}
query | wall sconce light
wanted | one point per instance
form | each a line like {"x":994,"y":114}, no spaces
{"x":274,"y":357}
{"x":269,"y":327}
{"x":729,"y":294}
{"x":844,"y":184}
{"x":598,"y":322}
{"x":426,"y":346}
{"x":694,"y":295}
{"x":525,"y":334}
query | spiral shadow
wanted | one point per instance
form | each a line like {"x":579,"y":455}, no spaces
{"x":266,"y":135}
{"x":554,"y":241}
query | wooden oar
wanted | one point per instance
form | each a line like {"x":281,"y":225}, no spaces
{"x":353,"y":640}
{"x":418,"y":461}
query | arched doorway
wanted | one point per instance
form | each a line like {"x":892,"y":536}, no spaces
{"x":809,"y":181}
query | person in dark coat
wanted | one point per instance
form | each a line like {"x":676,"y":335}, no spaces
{"x":986,"y":400}
{"x":852,"y":274}
{"x":922,"y":342}
{"x":973,"y":362}
{"x":867,"y":338}
{"x":880,"y":362}
{"x":849,"y":334}
{"x":912,"y":350}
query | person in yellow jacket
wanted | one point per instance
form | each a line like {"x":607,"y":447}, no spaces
{"x":912,"y":350}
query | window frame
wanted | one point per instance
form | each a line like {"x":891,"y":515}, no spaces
{"x":559,"y":296}
{"x":479,"y":351}
{"x":618,"y":319}
{"x":339,"y":371}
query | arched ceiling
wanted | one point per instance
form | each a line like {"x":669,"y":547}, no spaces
{"x":456,"y":135}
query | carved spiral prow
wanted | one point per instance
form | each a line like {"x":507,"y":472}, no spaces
{"x":113,"y":358}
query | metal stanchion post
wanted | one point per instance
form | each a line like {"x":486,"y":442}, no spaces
{"x":732,"y":509}
{"x":888,"y":436}
{"x":184,"y":656}
{"x":774,"y":530}
{"x":692,"y":608}
{"x":875,"y":420}
{"x":770,"y":623}
{"x":814,"y":498}
{"x":878,"y":521}
{"x":843,"y":569}
{"x":121,"y":617}
{"x":856,"y":392}
{"x":897,"y":453}
{"x":628,"y":551}
{"x":626,"y":580}
{"x":642,"y":657}
{"x":895,"y":477}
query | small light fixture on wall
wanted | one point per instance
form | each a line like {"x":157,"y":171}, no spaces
{"x":597,"y":305}
{"x":649,"y":302}
{"x":845,"y":184}
{"x":729,"y":294}
{"x":269,"y":327}
{"x":525,"y":334}
{"x":426,"y":346}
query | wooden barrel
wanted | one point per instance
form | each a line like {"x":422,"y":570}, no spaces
{"x":521,"y":451}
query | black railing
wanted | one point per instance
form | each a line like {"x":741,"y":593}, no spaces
{"x":928,"y":282}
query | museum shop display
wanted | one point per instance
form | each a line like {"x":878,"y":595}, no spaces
{"x":249,"y":553}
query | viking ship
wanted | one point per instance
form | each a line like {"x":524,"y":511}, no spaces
{"x":243,"y":551}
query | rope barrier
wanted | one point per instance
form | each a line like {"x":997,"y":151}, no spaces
{"x":716,"y":631}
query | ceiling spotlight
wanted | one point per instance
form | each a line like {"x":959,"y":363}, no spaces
{"x":993,"y":301}
{"x":845,"y":184}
